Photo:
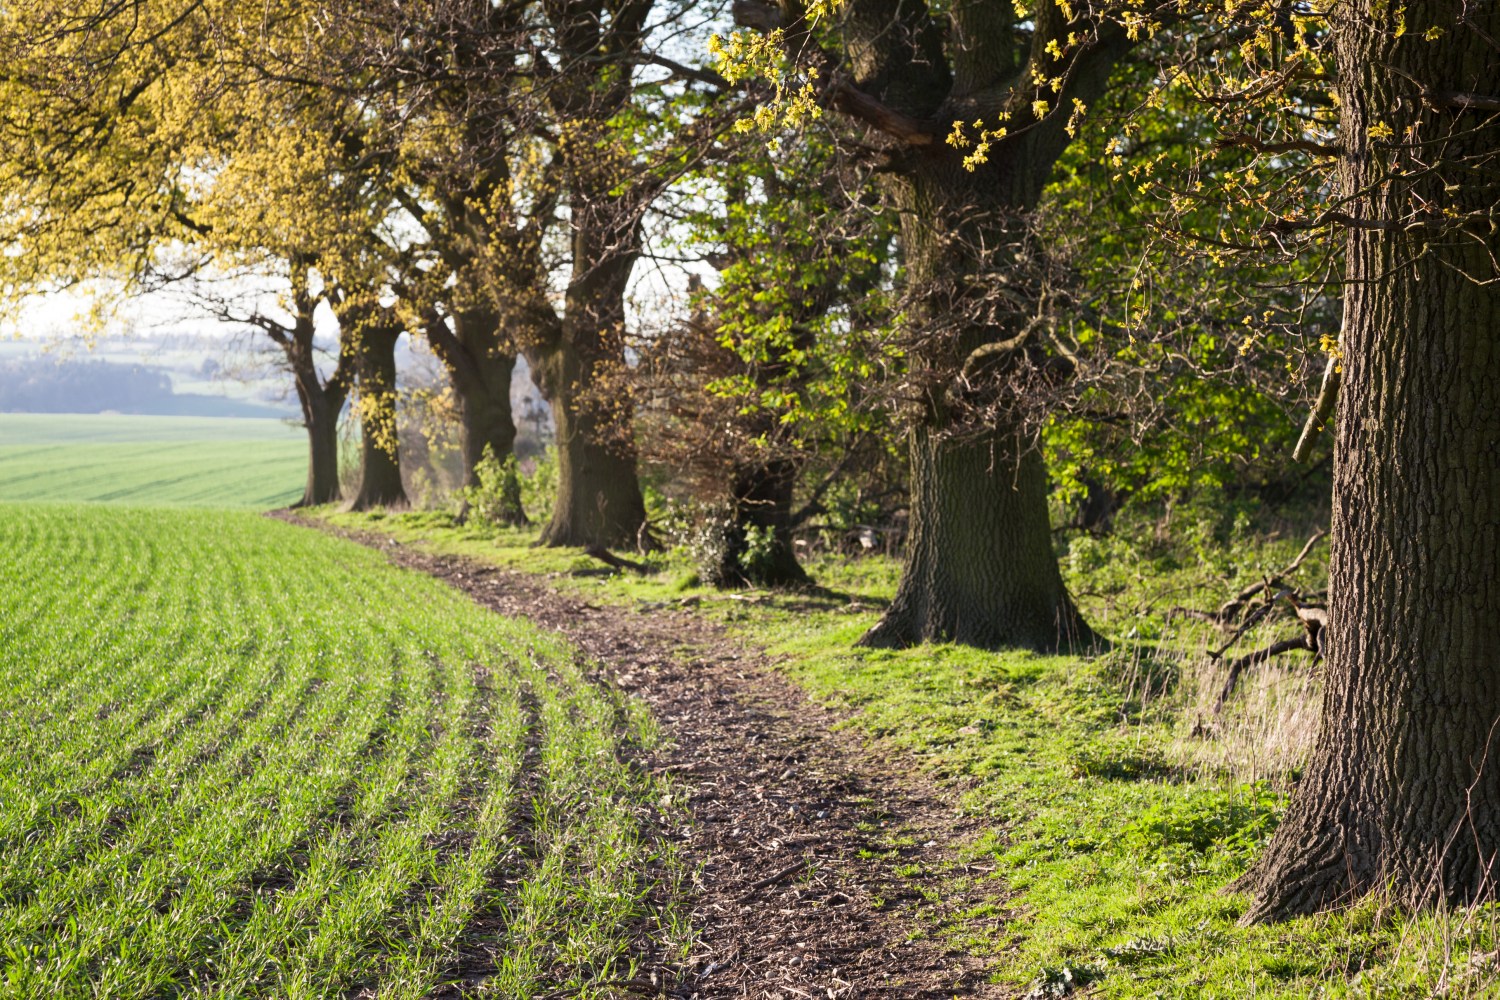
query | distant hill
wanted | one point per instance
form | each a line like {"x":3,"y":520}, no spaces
{"x":46,"y":385}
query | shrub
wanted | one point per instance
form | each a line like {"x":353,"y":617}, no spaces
{"x":496,"y":498}
{"x":539,"y":486}
{"x":727,"y":554}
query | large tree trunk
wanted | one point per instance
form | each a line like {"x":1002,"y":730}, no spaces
{"x":481,"y":370}
{"x":599,"y":498}
{"x":580,"y":370}
{"x":484,"y":411}
{"x":320,"y":416}
{"x":979,"y":566}
{"x":380,"y":472}
{"x":321,"y":400}
{"x":979,"y":563}
{"x":1402,"y":792}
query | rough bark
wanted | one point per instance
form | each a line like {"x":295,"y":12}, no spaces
{"x":380,"y":471}
{"x":480,"y":365}
{"x":485,"y":415}
{"x":320,"y":417}
{"x":1402,"y":791}
{"x":980,"y":568}
{"x":979,"y":563}
{"x":599,"y":498}
{"x":321,"y":400}
{"x":578,"y":364}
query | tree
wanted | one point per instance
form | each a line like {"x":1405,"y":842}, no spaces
{"x":769,"y":377}
{"x":152,"y":145}
{"x":1195,"y":362}
{"x":374,"y":329}
{"x":91,"y":176}
{"x":506,"y":115}
{"x":320,"y":397}
{"x":973,"y":107}
{"x":448,"y":82}
{"x":1402,"y":792}
{"x":576,"y":351}
{"x":471,"y":346}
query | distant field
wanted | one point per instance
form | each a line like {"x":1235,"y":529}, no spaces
{"x":197,"y":461}
{"x":242,"y":759}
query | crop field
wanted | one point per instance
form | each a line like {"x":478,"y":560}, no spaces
{"x":196,"y":461}
{"x":243,"y":759}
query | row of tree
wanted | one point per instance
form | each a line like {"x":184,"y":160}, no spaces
{"x":918,"y":221}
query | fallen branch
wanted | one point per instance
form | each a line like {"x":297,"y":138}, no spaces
{"x":1315,"y":625}
{"x":778,"y":877}
{"x":1236,"y":667}
{"x":1231,"y":609}
{"x":1251,"y":620}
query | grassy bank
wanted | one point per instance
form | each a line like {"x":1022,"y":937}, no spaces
{"x":1113,"y":823}
{"x":242,"y":759}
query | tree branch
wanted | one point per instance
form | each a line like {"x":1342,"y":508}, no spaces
{"x":839,"y":94}
{"x":1316,"y":420}
{"x":704,"y":76}
{"x":1244,"y":141}
{"x":843,"y":96}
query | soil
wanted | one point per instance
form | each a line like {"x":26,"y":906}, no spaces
{"x":794,"y":827}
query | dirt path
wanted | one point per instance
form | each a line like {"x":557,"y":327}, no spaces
{"x":773,"y":791}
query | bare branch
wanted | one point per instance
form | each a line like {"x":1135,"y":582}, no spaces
{"x":1244,"y":141}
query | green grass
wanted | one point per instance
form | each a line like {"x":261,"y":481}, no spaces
{"x":242,"y":759}
{"x":1110,"y":832}
{"x":191,"y":461}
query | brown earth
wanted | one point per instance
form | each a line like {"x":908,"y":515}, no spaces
{"x":794,"y":827}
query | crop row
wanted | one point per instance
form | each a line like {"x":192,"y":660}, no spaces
{"x":240,"y":759}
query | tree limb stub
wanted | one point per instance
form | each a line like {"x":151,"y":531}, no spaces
{"x":1462,"y":100}
{"x":756,"y":15}
{"x":1321,"y":412}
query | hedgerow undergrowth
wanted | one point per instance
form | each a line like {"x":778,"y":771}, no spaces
{"x":240,"y":759}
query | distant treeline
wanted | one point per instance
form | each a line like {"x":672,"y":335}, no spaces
{"x":46,"y":385}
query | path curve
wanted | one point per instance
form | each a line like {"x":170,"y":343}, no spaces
{"x":775,"y":792}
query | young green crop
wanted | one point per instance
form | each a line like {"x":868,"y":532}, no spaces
{"x":191,"y":461}
{"x":241,"y":759}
